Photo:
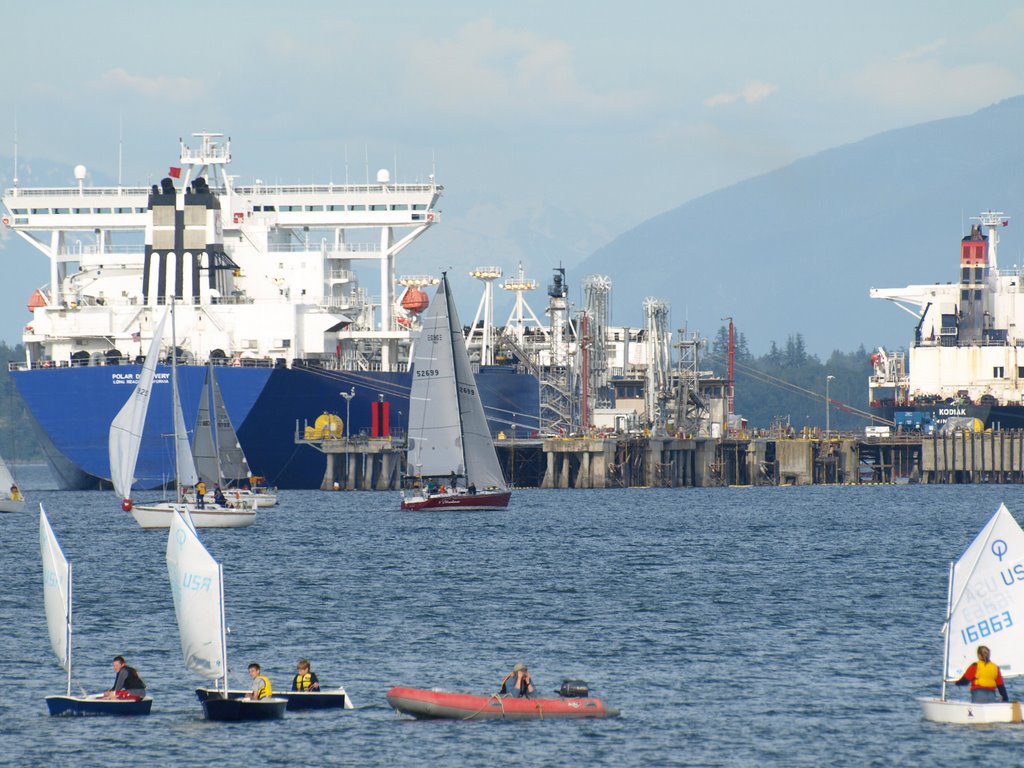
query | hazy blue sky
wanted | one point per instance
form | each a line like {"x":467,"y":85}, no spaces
{"x":575,"y":119}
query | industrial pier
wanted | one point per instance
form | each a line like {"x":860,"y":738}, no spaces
{"x":634,"y":461}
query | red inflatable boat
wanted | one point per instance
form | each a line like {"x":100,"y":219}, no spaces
{"x":425,"y":704}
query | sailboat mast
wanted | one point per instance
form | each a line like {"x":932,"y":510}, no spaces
{"x":452,"y":330}
{"x":67,"y":632}
{"x":174,"y":399}
{"x":949,"y":616}
{"x":223,"y":628}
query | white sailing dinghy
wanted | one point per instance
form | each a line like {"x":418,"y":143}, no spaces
{"x":218,"y":454}
{"x":57,"y":603}
{"x":450,"y":461}
{"x":126,"y":436}
{"x":11,"y":499}
{"x":197,"y":586}
{"x":985,"y":606}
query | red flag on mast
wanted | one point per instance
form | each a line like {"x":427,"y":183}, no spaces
{"x":174,"y":172}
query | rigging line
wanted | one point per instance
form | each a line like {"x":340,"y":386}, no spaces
{"x":768,"y":378}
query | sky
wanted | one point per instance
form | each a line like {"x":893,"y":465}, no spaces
{"x":553,"y":126}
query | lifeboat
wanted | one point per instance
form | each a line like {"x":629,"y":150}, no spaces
{"x":36,"y":300}
{"x":432,"y":704}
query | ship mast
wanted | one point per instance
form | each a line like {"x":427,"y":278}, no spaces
{"x":992,"y":220}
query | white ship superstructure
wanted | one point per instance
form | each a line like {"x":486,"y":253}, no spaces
{"x":291,"y":293}
{"x":968,"y":344}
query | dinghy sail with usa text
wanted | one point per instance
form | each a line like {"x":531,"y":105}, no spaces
{"x":451,"y":461}
{"x":57,"y":602}
{"x":985,"y":606}
{"x":197,"y":586}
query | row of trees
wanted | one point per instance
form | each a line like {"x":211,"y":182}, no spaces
{"x":17,"y":441}
{"x":788,"y":384}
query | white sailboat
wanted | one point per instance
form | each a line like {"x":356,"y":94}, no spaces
{"x":450,"y":462}
{"x":57,"y":603}
{"x":218,"y":453}
{"x":985,"y":606}
{"x":197,"y":586}
{"x":11,"y":499}
{"x":126,"y":436}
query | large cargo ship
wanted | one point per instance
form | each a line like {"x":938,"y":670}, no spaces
{"x":965,"y":363}
{"x":265,"y":278}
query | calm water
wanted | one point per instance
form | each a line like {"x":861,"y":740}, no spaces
{"x":733,"y":627}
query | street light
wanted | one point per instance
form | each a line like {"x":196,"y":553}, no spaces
{"x":348,"y":408}
{"x":828,"y":405}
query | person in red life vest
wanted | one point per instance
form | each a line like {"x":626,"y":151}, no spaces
{"x":985,"y":678}
{"x":127,"y":683}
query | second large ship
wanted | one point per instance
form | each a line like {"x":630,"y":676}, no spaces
{"x":965,"y":368}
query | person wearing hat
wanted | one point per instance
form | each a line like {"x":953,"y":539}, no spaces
{"x":522,"y":683}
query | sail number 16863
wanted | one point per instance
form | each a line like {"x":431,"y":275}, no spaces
{"x":986,"y":627}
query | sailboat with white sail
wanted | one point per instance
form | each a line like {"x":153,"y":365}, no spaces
{"x":985,"y":606}
{"x":197,"y":586}
{"x":450,"y":461}
{"x":218,"y":454}
{"x":126,"y":437}
{"x":57,"y":604}
{"x":11,"y":498}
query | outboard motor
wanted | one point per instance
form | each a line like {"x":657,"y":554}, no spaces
{"x":574,"y":689}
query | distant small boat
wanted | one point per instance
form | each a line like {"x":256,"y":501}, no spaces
{"x":325,"y":698}
{"x":126,"y":437}
{"x":197,"y":586}
{"x":57,"y":603}
{"x":11,"y":499}
{"x":448,"y":435}
{"x":982,"y":608}
{"x":433,"y":704}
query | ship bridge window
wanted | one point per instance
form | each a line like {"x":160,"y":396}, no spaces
{"x":998,"y":372}
{"x":102,"y":210}
{"x":965,"y":275}
{"x":269,"y":208}
{"x":125,"y":210}
{"x":40,"y":210}
{"x":83,"y":210}
{"x":140,"y":210}
{"x":378,"y":207}
{"x":19,"y":211}
{"x":357,"y":207}
{"x":400,"y":207}
{"x":291,"y":208}
{"x":419,"y":207}
{"x":62,"y":211}
{"x":316,"y":208}
{"x":335,"y":207}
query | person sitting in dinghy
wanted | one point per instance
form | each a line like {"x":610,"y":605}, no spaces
{"x":305,"y":679}
{"x":985,"y":678}
{"x":261,"y":687}
{"x":522,"y":683}
{"x":127,"y":683}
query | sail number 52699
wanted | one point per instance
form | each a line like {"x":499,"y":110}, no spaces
{"x":428,"y":372}
{"x":986,"y":627}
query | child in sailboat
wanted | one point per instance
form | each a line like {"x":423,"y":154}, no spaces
{"x":985,"y":678}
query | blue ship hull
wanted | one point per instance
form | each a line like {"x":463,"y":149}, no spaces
{"x":72,"y":409}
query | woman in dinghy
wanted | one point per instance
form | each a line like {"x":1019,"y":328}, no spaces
{"x":985,"y":679}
